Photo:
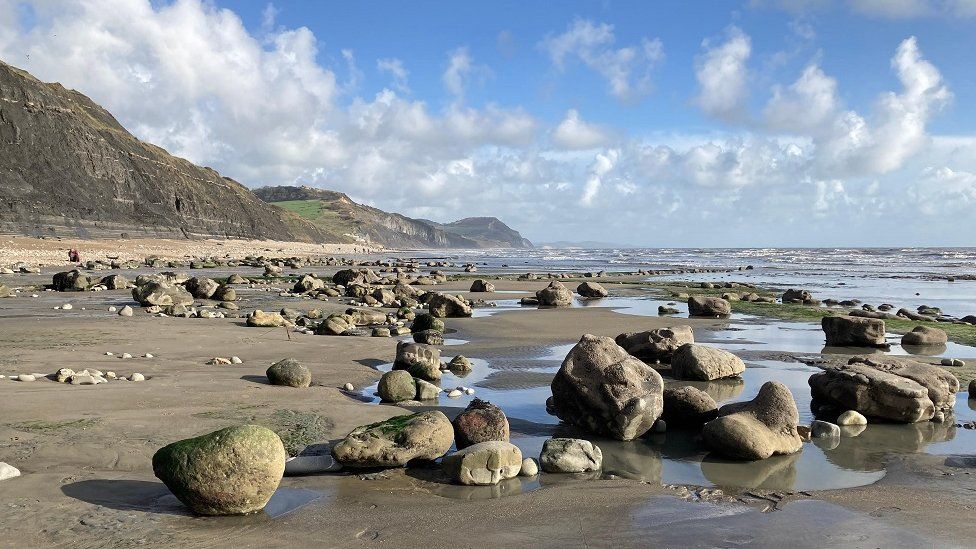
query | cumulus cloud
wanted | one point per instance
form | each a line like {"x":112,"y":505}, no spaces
{"x":575,"y":133}
{"x":277,"y":107}
{"x":723,"y":76}
{"x":906,"y":9}
{"x":397,"y":71}
{"x":944,"y":191}
{"x":627,"y":70}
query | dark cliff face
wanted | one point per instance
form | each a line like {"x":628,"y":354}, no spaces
{"x":490,"y":231}
{"x":69,"y":168}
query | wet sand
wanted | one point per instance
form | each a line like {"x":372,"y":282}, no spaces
{"x":85,"y":451}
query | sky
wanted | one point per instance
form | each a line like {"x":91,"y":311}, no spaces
{"x":671,"y":123}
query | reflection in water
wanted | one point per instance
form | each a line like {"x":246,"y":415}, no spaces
{"x":856,"y":458}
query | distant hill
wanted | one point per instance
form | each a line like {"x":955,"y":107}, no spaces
{"x":336,"y":213}
{"x":67,"y":167}
{"x":489,"y":231}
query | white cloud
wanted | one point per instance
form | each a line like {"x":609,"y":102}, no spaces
{"x":723,"y":76}
{"x":893,"y":8}
{"x":397,"y":71}
{"x":627,"y":70}
{"x":575,"y":133}
{"x":943,"y":192}
{"x":602,"y":165}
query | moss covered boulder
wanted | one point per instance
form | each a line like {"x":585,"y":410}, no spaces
{"x":289,"y":372}
{"x":396,"y":441}
{"x":233,"y":471}
{"x":425,"y":322}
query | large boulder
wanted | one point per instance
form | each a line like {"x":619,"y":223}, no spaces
{"x":114,"y":282}
{"x":699,"y":305}
{"x":161,"y":294}
{"x":756,"y":429}
{"x":570,"y":455}
{"x":924,"y":335}
{"x":261,"y":319}
{"x":420,"y":360}
{"x":396,"y":441}
{"x":688,"y":407}
{"x":397,"y":386}
{"x":365,"y":317}
{"x":335,"y":324}
{"x":201,"y":287}
{"x":851,"y":331}
{"x":482,"y":286}
{"x":656,"y":345}
{"x":484,"y":464}
{"x":363,"y":277}
{"x":592,"y":290}
{"x":797,"y":296}
{"x":481,"y":421}
{"x":233,"y":471}
{"x":427,"y":321}
{"x":698,"y":362}
{"x":308,"y":283}
{"x":71,"y":281}
{"x":448,"y":306}
{"x":601,"y":388}
{"x":289,"y":372}
{"x":893,"y":389}
{"x":554,"y":295}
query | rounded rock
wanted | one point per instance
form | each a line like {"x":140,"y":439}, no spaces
{"x":289,"y":372}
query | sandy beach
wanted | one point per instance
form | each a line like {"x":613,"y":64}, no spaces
{"x":85,"y":451}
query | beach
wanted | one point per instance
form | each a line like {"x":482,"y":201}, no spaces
{"x":85,"y":451}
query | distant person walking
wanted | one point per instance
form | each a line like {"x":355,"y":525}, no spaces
{"x":74,"y":256}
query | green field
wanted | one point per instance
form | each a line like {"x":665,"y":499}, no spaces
{"x":318,"y":212}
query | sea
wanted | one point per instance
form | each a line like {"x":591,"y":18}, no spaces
{"x":904,"y":277}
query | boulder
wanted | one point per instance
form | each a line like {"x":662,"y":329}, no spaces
{"x":570,"y":455}
{"x":114,"y":282}
{"x":365,"y":317}
{"x":483,"y":464}
{"x":756,"y":429}
{"x":894,"y":389}
{"x":420,"y":360}
{"x":460,"y":363}
{"x":261,"y":319}
{"x":688,"y":407}
{"x":201,"y":287}
{"x":396,"y":441}
{"x":656,"y":345}
{"x":482,"y":286}
{"x":698,"y":362}
{"x":308,"y":283}
{"x":289,"y":372}
{"x":481,"y":421}
{"x":397,"y":386}
{"x":708,"y":306}
{"x":224,"y":293}
{"x":797,"y":296}
{"x":850,"y":331}
{"x":347,"y":277}
{"x":429,"y":337}
{"x":161,"y":294}
{"x":448,"y":306}
{"x":924,"y":335}
{"x":824,"y":429}
{"x":592,"y":290}
{"x":601,"y":388}
{"x":554,"y":295}
{"x":425,"y":389}
{"x":8,"y":471}
{"x":335,"y":324}
{"x":233,"y":471}
{"x":71,"y":281}
{"x":426,"y":321}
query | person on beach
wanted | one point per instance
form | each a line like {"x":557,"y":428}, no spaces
{"x":74,"y":256}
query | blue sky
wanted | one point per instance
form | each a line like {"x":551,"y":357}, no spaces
{"x":725,"y":123}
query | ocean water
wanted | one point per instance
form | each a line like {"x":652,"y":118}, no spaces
{"x":904,"y":277}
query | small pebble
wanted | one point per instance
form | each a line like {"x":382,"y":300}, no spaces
{"x":137,"y":377}
{"x":25,"y":377}
{"x":112,"y":309}
{"x":67,"y":306}
{"x":126,"y":356}
{"x":454,"y":394}
{"x":349,"y":387}
{"x":236,"y":360}
{"x":148,"y":355}
{"x":109,"y":353}
{"x":469,"y":391}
